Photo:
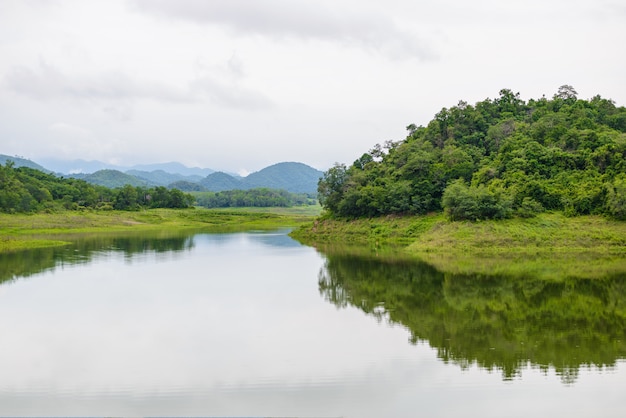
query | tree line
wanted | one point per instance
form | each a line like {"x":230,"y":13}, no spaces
{"x":260,"y":197}
{"x":496,"y":159}
{"x":24,"y":189}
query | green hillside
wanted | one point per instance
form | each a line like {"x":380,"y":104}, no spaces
{"x":290,"y":176}
{"x":24,"y":189}
{"x":492,"y":160}
{"x":220,"y":181}
{"x":161,"y":177}
{"x":22,"y":162}
{"x":113,"y":179}
{"x":187,"y":186}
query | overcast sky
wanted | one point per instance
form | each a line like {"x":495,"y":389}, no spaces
{"x":238,"y":85}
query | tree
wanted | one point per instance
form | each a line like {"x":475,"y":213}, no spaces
{"x":330,"y":187}
{"x":566,"y":92}
{"x":126,"y":198}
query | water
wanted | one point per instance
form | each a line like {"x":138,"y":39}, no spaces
{"x":254,"y":324}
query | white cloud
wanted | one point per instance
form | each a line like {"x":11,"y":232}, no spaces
{"x":243,"y":84}
{"x":50,"y":83}
{"x":307,"y":20}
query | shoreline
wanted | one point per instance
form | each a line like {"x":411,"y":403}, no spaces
{"x":40,"y":230}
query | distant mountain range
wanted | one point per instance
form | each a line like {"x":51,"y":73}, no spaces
{"x":290,"y":176}
{"x":87,"y":167}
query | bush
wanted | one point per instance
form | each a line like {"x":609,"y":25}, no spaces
{"x":529,"y":208}
{"x":462,"y":202}
{"x":616,"y":198}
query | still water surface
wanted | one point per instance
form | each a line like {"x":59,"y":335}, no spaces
{"x":255,"y":324}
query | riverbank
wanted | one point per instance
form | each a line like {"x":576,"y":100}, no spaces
{"x":549,"y":244}
{"x":23,"y":231}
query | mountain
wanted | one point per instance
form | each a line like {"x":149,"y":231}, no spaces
{"x":112,"y":179}
{"x":78,"y":166}
{"x":174,"y":168}
{"x":290,"y":176}
{"x":187,"y":186}
{"x":84,"y":166}
{"x":220,"y":181}
{"x":22,"y":162}
{"x":162,"y":178}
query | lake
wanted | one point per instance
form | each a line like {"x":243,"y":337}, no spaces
{"x":256,"y":324}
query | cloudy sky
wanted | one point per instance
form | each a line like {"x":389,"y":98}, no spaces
{"x":238,"y":85}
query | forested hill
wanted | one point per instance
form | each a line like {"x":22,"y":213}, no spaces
{"x":290,"y":176}
{"x":21,"y":162}
{"x":494,"y":159}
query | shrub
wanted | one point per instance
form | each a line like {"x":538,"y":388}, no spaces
{"x":462,"y":202}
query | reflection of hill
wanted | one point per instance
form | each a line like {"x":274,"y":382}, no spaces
{"x":29,"y":262}
{"x":496,"y":322}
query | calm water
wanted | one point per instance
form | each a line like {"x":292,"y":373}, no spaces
{"x":254,"y":324}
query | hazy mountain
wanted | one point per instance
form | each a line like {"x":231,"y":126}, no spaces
{"x":78,"y":166}
{"x":86,"y":167}
{"x":290,"y":176}
{"x":162,"y":178}
{"x":113,"y":179}
{"x":22,"y":162}
{"x":187,"y":186}
{"x":174,"y":168}
{"x":220,"y":181}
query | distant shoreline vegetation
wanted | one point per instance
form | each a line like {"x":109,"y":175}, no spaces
{"x":261,"y":197}
{"x":24,"y":189}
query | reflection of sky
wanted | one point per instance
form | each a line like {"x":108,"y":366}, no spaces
{"x":237,"y":327}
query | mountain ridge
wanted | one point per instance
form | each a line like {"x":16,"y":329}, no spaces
{"x":294,"y":177}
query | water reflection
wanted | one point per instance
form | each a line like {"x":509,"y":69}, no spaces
{"x":497,"y":322}
{"x":83,"y":248}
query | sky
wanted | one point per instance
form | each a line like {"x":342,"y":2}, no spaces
{"x":239,"y":85}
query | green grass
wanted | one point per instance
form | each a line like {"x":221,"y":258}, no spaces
{"x":549,"y":245}
{"x":22,"y":231}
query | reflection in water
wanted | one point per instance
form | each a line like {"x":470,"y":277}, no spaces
{"x":233,"y":325}
{"x":84,"y":248}
{"x":496,"y":322}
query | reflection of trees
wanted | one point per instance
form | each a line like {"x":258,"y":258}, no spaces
{"x":28,"y":262}
{"x":497,"y":322}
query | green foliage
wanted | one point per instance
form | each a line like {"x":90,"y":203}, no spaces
{"x":112,"y":179}
{"x":461,"y":202}
{"x":331,"y":187}
{"x":517,"y":157}
{"x":186,"y":186}
{"x":262,"y":197}
{"x":616,"y":198}
{"x":26,"y":189}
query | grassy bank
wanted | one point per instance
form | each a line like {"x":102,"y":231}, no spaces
{"x":22,"y":231}
{"x":548,"y":245}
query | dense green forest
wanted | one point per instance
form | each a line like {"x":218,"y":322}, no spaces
{"x":261,"y":197}
{"x":496,"y":159}
{"x":25,"y":189}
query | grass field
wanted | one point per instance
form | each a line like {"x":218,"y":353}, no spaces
{"x":549,"y":245}
{"x":22,"y":231}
